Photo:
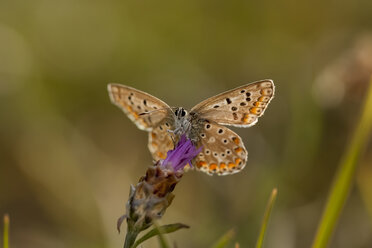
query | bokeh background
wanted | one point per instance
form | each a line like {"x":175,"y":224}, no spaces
{"x":68,"y":155}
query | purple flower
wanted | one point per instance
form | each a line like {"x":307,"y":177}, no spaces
{"x":182,"y":155}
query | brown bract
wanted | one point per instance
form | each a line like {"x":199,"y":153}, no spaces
{"x":149,"y":199}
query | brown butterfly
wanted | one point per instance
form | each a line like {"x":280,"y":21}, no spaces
{"x":223,"y":151}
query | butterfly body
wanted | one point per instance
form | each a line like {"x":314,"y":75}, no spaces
{"x":182,"y":122}
{"x":223,"y":151}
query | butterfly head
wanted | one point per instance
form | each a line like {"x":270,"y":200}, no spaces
{"x":182,"y":124}
{"x":180,"y":113}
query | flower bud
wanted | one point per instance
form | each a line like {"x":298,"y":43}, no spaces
{"x":149,"y":199}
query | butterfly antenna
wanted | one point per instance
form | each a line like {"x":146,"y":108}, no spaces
{"x":152,"y":111}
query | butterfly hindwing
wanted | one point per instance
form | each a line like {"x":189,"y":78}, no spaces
{"x":223,"y":151}
{"x":145,"y":110}
{"x":238,"y":107}
{"x":161,"y":140}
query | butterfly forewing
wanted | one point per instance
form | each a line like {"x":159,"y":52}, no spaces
{"x":238,"y":107}
{"x":144,"y":110}
{"x":223,"y":151}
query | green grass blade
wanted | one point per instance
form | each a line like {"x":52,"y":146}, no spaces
{"x":344,"y":177}
{"x":266,"y":218}
{"x":225,"y":239}
{"x":6,"y":232}
{"x":159,"y":231}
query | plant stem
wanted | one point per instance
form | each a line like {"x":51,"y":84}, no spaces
{"x":265,"y":220}
{"x":130,"y":238}
{"x":6,"y":231}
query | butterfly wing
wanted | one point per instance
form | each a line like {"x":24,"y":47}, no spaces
{"x":238,"y":107}
{"x":161,"y":141}
{"x":223,"y":151}
{"x":145,"y":110}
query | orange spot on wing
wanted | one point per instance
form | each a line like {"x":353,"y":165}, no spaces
{"x":237,"y":161}
{"x":130,"y":110}
{"x":223,"y":166}
{"x":245,"y":118}
{"x":236,"y":140}
{"x":161,"y":155}
{"x":213,"y":167}
{"x":238,"y":150}
{"x":153,"y":135}
{"x":259,"y":104}
{"x":255,"y":110}
{"x":263,"y":99}
{"x":202,"y":164}
{"x":231,"y":165}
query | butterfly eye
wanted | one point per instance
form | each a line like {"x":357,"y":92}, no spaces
{"x":176,"y":112}
{"x":183,"y":112}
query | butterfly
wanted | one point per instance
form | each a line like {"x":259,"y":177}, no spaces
{"x":223,"y":151}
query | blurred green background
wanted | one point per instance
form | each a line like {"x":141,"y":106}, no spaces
{"x":68,"y":156}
